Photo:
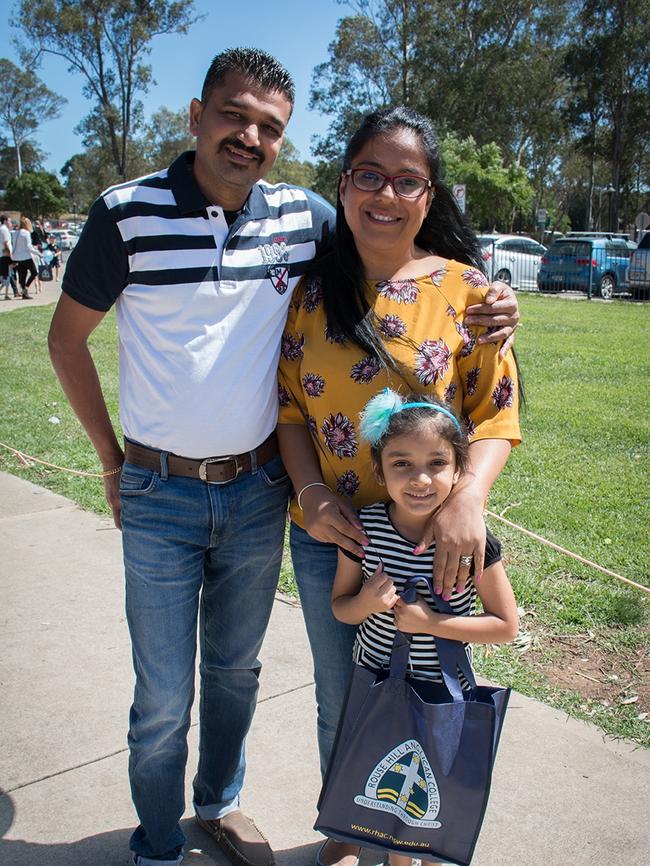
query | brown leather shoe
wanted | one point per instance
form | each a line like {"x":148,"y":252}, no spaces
{"x":239,"y":839}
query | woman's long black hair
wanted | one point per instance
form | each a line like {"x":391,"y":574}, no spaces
{"x":444,"y":232}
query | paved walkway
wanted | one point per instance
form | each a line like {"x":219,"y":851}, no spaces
{"x":562,"y":793}
{"x":49,"y":294}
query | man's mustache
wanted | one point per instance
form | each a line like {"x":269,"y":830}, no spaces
{"x":233,"y":142}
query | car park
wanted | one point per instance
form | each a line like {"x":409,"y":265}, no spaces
{"x":638,"y":275}
{"x":596,"y":264}
{"x":514,"y":259}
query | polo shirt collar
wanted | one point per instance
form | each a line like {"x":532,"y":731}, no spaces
{"x":190,"y":199}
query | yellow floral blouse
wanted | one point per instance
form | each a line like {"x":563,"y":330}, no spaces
{"x":325,"y":382}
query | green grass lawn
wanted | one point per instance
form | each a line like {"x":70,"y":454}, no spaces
{"x":581,"y":478}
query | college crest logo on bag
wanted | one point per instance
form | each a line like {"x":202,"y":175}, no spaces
{"x":412,"y":761}
{"x":403,"y":783}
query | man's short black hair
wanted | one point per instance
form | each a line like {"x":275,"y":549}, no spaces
{"x":257,"y":66}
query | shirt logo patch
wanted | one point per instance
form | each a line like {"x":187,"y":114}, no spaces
{"x":279,"y":277}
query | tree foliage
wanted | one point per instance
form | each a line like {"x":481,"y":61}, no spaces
{"x":106,"y":42}
{"x":495,"y":192}
{"x":567,"y":105}
{"x":38,"y":193}
{"x":25,"y":103}
{"x":31,"y":157}
{"x":289,"y":168}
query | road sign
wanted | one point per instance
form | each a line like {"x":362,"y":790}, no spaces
{"x":541,"y":216}
{"x":642,"y":221}
{"x":459,"y":191}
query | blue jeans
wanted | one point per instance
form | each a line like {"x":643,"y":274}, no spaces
{"x":213,"y":552}
{"x":331,"y":641}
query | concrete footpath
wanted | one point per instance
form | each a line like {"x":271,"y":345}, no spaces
{"x":562,"y":793}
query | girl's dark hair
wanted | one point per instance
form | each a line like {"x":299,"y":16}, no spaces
{"x":444,"y":231}
{"x":416,"y":418}
{"x":255,"y":65}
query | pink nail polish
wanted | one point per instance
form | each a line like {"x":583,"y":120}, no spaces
{"x":437,"y":590}
{"x":446,"y":596}
{"x":478,"y":576}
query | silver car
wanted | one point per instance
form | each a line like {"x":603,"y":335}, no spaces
{"x":515,"y":259}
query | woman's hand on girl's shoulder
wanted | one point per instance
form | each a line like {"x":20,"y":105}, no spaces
{"x":459,"y":532}
{"x":331,"y":519}
{"x":499,"y":312}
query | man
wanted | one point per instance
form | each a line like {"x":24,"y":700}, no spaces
{"x":5,"y":255}
{"x":200,"y":261}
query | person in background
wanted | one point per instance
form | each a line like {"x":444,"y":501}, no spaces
{"x":24,"y":254}
{"x":5,"y":256}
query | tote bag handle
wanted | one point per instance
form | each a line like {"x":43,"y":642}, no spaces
{"x":451,"y":653}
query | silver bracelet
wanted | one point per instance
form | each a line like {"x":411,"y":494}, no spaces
{"x":307,"y":486}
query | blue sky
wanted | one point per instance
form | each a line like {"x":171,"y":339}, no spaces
{"x":296,"y":32}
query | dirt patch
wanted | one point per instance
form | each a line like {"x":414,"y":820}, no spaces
{"x":582,"y":663}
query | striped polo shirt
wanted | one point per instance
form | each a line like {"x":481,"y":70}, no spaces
{"x":201,"y":303}
{"x":375,"y":636}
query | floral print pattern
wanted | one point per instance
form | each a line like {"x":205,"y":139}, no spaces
{"x":283,"y":396}
{"x":474,"y":278}
{"x":472,"y":380}
{"x":365,"y":370}
{"x":313,"y":294}
{"x":392,"y":326}
{"x":401,"y":291}
{"x":470,"y":426}
{"x":450,"y":311}
{"x":333,"y":335}
{"x":504,"y":393}
{"x":469,"y":339}
{"x":348,"y":483}
{"x":292,"y":346}
{"x":432,"y":361}
{"x":450,"y":392}
{"x":438,"y":276}
{"x":340,"y":436}
{"x":313,"y":384}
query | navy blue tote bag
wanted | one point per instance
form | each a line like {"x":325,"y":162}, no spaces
{"x":412,"y":761}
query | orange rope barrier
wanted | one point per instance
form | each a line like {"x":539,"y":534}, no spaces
{"x":567,"y":552}
{"x":26,"y":458}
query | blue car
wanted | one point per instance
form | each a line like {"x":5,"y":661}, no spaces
{"x":578,"y":263}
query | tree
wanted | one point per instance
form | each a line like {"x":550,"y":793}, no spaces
{"x":30,"y":155}
{"x":105,"y":41}
{"x":166,"y":136}
{"x":495,"y":192}
{"x":289,"y":168}
{"x":25,"y":103}
{"x":36,"y":192}
{"x":609,"y":73}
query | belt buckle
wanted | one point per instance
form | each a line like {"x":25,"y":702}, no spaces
{"x":203,"y":475}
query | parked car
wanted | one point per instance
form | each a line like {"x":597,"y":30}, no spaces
{"x":638,"y":276}
{"x":512,"y":258}
{"x":574,"y":263}
{"x":65,"y":239}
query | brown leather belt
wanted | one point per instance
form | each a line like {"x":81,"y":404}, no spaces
{"x":212,"y":470}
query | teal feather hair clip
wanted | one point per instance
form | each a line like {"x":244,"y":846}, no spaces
{"x":378,"y":411}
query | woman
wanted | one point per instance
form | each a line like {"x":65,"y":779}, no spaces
{"x":23,"y":254}
{"x":386,"y":307}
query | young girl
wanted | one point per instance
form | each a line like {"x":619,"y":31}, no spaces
{"x":419,"y":451}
